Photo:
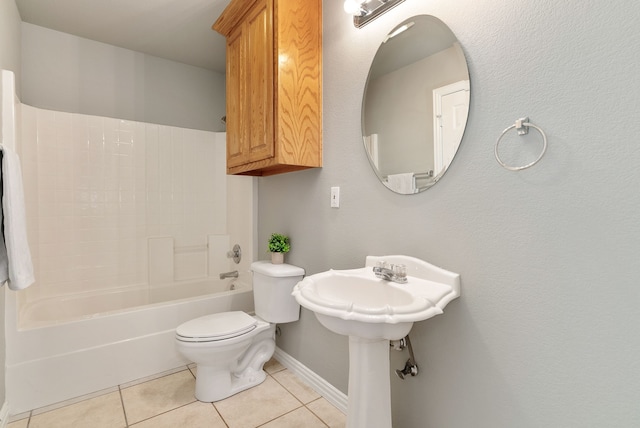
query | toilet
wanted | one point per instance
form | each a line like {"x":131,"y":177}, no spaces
{"x":230,"y":348}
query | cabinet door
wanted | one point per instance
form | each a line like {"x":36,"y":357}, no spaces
{"x":250,"y":88}
{"x":237,"y":127}
{"x":259,"y":81}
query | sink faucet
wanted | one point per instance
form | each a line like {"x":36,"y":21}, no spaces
{"x":233,"y":274}
{"x":390,"y":272}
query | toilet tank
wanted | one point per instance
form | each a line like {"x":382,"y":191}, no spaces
{"x":272,"y":287}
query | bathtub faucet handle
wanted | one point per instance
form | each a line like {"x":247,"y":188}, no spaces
{"x":235,"y":254}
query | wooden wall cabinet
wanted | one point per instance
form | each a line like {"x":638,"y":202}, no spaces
{"x":274,"y":85}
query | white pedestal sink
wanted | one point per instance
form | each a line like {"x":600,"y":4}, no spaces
{"x":372,"y":311}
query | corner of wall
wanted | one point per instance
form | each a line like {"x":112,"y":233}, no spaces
{"x":10,"y":39}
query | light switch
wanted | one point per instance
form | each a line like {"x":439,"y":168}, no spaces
{"x":335,"y":197}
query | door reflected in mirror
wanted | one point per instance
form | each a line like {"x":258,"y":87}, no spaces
{"x":415,"y":104}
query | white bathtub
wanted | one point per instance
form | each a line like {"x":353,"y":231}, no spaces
{"x":58,"y":310}
{"x":63,"y":348}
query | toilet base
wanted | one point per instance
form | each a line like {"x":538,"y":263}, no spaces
{"x":215,"y":383}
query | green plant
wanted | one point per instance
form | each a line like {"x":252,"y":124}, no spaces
{"x":279,"y":243}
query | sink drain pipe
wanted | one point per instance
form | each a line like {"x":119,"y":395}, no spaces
{"x":410,"y":367}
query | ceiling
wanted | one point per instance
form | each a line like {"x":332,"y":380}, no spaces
{"x":178,"y":30}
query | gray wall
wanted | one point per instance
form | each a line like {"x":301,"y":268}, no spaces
{"x":10,"y":38}
{"x":9,"y":60}
{"x":68,"y":73}
{"x":545,"y":332}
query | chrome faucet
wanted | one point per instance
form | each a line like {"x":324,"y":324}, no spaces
{"x":233,"y":274}
{"x":390,"y":272}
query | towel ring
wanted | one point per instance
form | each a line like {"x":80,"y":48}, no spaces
{"x":522,"y":126}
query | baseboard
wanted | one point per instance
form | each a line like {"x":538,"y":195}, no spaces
{"x":321,"y":386}
{"x":4,"y":415}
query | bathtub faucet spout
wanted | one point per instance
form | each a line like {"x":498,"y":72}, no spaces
{"x":233,"y":274}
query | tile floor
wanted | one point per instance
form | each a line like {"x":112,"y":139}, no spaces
{"x":167,"y":400}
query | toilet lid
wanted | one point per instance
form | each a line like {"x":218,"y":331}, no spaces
{"x":216,"y":327}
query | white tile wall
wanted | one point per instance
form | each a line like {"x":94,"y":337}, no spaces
{"x":99,"y":189}
{"x":218,"y":262}
{"x":161,"y":268}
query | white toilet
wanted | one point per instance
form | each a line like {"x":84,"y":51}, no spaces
{"x":230,"y":348}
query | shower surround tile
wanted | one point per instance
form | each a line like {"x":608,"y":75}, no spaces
{"x":218,"y":262}
{"x":111,"y":184}
{"x":160,"y":260}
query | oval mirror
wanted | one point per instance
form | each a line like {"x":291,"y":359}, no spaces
{"x":415,"y":104}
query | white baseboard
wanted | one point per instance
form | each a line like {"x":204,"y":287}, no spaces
{"x":4,"y":415}
{"x":321,"y":386}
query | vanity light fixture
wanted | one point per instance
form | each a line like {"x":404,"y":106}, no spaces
{"x":353,"y":7}
{"x":365,"y":11}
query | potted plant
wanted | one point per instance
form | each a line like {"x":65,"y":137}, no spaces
{"x":278,"y":245}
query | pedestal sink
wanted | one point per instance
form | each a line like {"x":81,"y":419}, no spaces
{"x":372,"y":311}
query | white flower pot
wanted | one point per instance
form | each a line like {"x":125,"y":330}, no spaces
{"x":277,"y":258}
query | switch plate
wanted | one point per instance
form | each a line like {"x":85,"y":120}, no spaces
{"x":335,"y":197}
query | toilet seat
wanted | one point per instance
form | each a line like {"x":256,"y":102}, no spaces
{"x":216,"y":327}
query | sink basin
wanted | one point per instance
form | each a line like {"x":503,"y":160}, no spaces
{"x":357,"y":303}
{"x":372,"y":311}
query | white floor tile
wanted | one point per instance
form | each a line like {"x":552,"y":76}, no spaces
{"x":99,"y":412}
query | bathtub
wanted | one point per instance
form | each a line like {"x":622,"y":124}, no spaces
{"x":62,"y":309}
{"x":66,"y":347}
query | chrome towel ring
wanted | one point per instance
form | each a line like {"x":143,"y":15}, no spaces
{"x":522,"y":126}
